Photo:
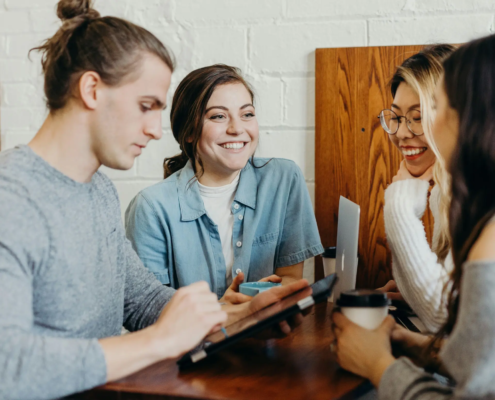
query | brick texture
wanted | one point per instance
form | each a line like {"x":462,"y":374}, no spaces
{"x":273,"y":42}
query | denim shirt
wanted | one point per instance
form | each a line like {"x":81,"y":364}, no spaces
{"x":274,"y":226}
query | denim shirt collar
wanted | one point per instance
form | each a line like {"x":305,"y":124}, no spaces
{"x":190,"y":201}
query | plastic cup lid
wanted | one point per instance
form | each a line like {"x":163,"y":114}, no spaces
{"x":363,"y":298}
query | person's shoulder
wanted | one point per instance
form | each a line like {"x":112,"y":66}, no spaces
{"x":161,"y":196}
{"x":484,"y":249}
{"x":279,"y":166}
{"x":165,"y":189}
{"x":16,"y":172}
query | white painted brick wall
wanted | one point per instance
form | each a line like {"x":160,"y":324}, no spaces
{"x":273,"y":41}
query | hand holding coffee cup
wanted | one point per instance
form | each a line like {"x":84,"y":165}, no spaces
{"x":366,"y":308}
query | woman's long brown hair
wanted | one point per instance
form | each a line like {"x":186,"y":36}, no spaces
{"x":469,"y":82}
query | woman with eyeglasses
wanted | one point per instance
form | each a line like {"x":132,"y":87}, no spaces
{"x":464,"y":348}
{"x":420,"y":272}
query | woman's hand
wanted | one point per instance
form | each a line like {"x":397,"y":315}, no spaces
{"x":267,"y":298}
{"x":361,"y":351}
{"x":415,"y":346}
{"x":410,"y":344}
{"x":404,"y":174}
{"x":391,"y":290}
{"x":232,"y":294}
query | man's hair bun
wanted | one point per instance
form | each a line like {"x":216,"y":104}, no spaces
{"x":68,"y":9}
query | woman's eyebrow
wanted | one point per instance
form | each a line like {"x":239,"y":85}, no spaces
{"x":220,"y":107}
{"x":246,"y":105}
{"x":410,"y":108}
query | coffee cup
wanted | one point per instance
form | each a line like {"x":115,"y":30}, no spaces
{"x":329,"y":263}
{"x":366,"y":308}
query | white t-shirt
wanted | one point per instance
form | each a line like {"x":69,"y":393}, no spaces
{"x":218,"y":202}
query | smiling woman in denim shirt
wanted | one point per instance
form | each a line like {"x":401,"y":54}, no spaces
{"x":222,"y":215}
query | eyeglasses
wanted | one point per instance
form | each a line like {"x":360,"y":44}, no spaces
{"x":390,"y":122}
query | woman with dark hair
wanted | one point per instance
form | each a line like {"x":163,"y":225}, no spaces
{"x":222,"y":215}
{"x":464,"y":132}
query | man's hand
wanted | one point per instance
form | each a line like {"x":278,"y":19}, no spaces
{"x":232,"y":294}
{"x":189,"y":316}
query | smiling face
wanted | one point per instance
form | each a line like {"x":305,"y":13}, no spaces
{"x":417,"y":153}
{"x":229,"y":136}
{"x":130,"y":115}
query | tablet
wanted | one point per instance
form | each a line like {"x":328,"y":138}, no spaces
{"x":260,"y":320}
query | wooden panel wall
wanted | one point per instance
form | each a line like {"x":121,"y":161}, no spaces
{"x":354,"y":157}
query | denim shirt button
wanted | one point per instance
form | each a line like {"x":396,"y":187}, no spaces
{"x":241,"y":217}
{"x":236,"y":206}
{"x":238,"y":271}
{"x":239,"y":244}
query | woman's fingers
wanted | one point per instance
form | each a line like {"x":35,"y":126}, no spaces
{"x":340,"y":320}
{"x":237,"y":298}
{"x":272,"y":278}
{"x":394,"y":296}
{"x":237,"y":281}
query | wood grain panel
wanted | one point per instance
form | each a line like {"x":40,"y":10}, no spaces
{"x":354,"y":157}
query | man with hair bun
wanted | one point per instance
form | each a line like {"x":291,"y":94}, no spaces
{"x":69,"y":279}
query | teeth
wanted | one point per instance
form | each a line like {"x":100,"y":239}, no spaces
{"x":236,"y":145}
{"x":413,"y":152}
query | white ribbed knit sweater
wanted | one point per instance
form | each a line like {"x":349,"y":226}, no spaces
{"x":419,"y":275}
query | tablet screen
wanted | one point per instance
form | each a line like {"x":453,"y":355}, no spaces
{"x":316,"y":289}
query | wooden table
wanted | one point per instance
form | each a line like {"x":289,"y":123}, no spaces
{"x":299,"y":366}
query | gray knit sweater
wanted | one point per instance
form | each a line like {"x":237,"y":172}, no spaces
{"x":68,"y":276}
{"x":469,"y":354}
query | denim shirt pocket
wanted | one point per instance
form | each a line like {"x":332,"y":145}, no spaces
{"x":263,"y":256}
{"x":266,"y":239}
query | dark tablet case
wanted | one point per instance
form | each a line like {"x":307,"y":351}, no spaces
{"x":259,"y":321}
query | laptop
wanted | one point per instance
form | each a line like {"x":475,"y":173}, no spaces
{"x":346,"y":260}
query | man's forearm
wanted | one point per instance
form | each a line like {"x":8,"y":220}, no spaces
{"x":132,"y":352}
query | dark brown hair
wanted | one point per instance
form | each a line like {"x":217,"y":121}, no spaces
{"x":469,"y":82}
{"x":188,"y":108}
{"x":109,"y":46}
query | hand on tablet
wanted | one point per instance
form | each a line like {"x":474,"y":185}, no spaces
{"x":274,"y":295}
{"x":188,"y":317}
{"x":239,"y":311}
{"x":232,"y":294}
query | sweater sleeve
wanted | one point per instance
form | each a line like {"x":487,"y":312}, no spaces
{"x":419,"y":275}
{"x":468,"y":354}
{"x":33,"y":366}
{"x":145,"y":296}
